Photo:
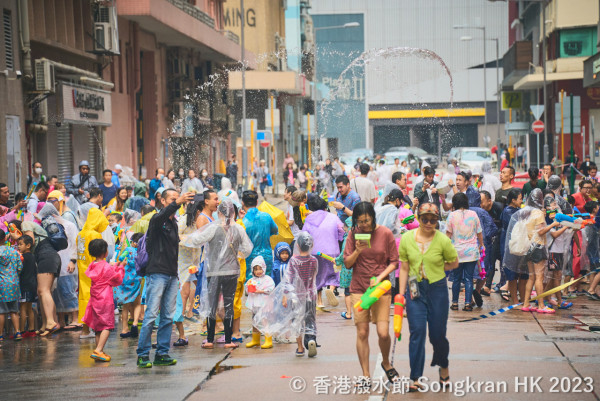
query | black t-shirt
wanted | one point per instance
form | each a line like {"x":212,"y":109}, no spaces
{"x":501,"y":195}
{"x":28,"y":275}
{"x":9,"y":204}
{"x":495,"y":212}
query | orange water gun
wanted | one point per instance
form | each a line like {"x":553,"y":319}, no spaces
{"x":12,"y":228}
{"x":588,"y":222}
{"x":372,"y":295}
{"x":399,"y":303}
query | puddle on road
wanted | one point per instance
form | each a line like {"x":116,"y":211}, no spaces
{"x":218,"y":368}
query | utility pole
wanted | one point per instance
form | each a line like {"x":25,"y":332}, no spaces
{"x":572,"y":170}
{"x":244,"y":149}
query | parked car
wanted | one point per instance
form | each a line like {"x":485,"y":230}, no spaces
{"x":416,"y":152}
{"x":453,"y":154}
{"x":472,"y":158}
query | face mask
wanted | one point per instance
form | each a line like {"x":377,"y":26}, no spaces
{"x":161,"y":176}
{"x":181,"y":173}
{"x":205,"y":174}
{"x":38,"y":170}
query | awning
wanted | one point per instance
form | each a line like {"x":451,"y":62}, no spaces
{"x":427,"y":113}
{"x":536,"y":81}
{"x":282,"y":81}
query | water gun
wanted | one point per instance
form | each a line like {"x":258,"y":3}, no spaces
{"x":408,"y":219}
{"x":251,"y":287}
{"x":587,"y":222}
{"x":326,"y":257}
{"x":12,"y":228}
{"x":399,"y":302}
{"x":477,"y":183}
{"x":481,"y":265}
{"x":363,"y":237}
{"x":568,"y":221}
{"x":123,"y":256}
{"x":193,"y":269}
{"x":372,"y":295}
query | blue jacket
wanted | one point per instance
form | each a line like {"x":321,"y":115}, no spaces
{"x":474,"y":197}
{"x":487,"y":224}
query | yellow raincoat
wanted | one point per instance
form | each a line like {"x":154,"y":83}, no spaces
{"x":239,"y":291}
{"x":95,"y":224}
{"x":141,"y":226}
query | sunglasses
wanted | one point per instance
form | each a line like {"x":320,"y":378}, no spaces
{"x":425,"y":220}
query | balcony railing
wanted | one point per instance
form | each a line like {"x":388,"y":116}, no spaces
{"x":231,"y":36}
{"x":194,"y":12}
{"x":518,"y":57}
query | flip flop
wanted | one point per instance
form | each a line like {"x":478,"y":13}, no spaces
{"x":47,"y":332}
{"x":345,"y":316}
{"x":392,"y":374}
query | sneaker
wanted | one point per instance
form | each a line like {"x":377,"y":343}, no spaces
{"x":164,"y":360}
{"x":299,"y":353}
{"x":144,"y":362}
{"x":91,"y":334}
{"x":125,"y":335}
{"x":312,"y":348}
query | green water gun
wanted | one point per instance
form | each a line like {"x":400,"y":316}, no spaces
{"x":408,"y":219}
{"x":372,"y":295}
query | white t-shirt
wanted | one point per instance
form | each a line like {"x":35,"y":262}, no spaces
{"x":520,"y":150}
{"x":289,"y":215}
{"x":365,"y":188}
{"x":561,"y":243}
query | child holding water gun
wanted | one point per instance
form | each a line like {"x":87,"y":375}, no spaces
{"x":258,"y":287}
{"x":129,"y":292}
{"x":304,"y":267}
{"x":99,"y":314}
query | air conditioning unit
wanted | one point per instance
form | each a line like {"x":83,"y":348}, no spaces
{"x":106,"y":32}
{"x":44,"y":76}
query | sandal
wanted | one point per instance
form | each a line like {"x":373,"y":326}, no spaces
{"x":444,"y":381}
{"x":484,"y":293}
{"x":220,"y":340}
{"x":345,"y":315}
{"x":546,"y":309}
{"x":237,"y":339}
{"x":505,"y":295}
{"x":565,"y":305}
{"x":392,"y":374}
{"x":528,"y":309}
{"x":207,"y":345}
{"x":468,"y":308}
{"x":100,"y":356}
{"x":181,"y":342}
{"x":454,"y":306}
{"x":415,"y":386}
{"x":18,"y":336}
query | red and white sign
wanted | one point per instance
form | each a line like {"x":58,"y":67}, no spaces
{"x":264,"y":144}
{"x":537,"y":126}
{"x":87,"y":106}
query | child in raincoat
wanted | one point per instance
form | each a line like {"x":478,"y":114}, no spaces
{"x":280,"y":261}
{"x":258,"y":287}
{"x":129,"y":292}
{"x":99,"y":313}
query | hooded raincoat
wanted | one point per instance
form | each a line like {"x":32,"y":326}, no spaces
{"x":100,"y":310}
{"x":93,"y":228}
{"x":327,"y":231}
{"x":10,"y":267}
{"x":264,"y":283}
{"x":259,"y":227}
{"x":279,"y":266}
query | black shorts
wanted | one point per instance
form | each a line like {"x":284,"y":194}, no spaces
{"x":28,"y":296}
{"x":50,"y":263}
{"x":537,"y":254}
{"x":556,"y":261}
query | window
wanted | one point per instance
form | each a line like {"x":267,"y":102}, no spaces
{"x":8,"y":39}
{"x":580,"y":42}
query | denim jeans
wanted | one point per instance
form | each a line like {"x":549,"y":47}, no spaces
{"x":161,"y":296}
{"x":263,"y":185}
{"x":463,"y":273}
{"x":431,"y":308}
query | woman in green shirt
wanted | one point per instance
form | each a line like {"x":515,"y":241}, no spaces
{"x":425,"y":255}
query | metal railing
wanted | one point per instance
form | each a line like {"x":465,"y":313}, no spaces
{"x":231,"y":36}
{"x":194,"y":12}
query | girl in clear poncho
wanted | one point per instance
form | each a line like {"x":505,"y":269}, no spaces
{"x":526,"y":247}
{"x":224,"y":240}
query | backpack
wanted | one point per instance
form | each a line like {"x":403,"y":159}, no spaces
{"x":56,"y":233}
{"x":142,"y":257}
{"x":519,"y":242}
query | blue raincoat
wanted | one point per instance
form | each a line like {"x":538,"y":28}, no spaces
{"x":279,"y":266}
{"x":259,"y":227}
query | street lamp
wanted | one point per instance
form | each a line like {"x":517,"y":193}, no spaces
{"x":484,"y":74}
{"x":468,"y":38}
{"x":317,"y":111}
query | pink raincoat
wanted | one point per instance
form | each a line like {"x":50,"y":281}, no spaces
{"x":100,"y":311}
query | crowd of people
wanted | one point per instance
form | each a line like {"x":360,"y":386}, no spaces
{"x":182,"y":247}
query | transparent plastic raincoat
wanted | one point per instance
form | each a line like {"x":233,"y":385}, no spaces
{"x":523,"y":243}
{"x":290,"y":311}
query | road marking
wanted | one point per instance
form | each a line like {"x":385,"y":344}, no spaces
{"x":377,"y":373}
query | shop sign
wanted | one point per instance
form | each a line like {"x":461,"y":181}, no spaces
{"x":84,"y":105}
